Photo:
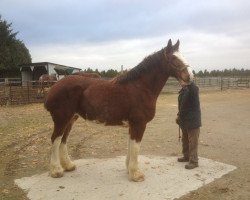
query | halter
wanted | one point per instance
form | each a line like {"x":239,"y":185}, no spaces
{"x":181,"y":69}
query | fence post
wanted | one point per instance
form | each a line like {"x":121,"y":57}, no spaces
{"x":9,"y":95}
{"x":221,"y":83}
{"x":28,"y":88}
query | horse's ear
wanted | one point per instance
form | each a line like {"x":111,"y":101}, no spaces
{"x":176,"y":46}
{"x":168,"y":49}
{"x":169,"y":43}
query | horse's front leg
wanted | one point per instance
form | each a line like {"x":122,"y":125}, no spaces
{"x":128,"y":154}
{"x":136,"y":133}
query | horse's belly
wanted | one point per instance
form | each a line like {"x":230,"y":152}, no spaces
{"x":111,"y":115}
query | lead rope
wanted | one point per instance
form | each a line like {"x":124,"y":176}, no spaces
{"x":179,"y":134}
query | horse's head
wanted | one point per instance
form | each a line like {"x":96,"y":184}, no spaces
{"x":177,"y":65}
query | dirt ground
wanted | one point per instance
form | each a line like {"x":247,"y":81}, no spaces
{"x":225,"y":136}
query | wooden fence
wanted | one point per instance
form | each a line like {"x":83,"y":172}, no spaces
{"x":210,"y":83}
{"x":17,"y":92}
{"x":14,"y":92}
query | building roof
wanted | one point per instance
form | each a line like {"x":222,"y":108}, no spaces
{"x":45,"y":63}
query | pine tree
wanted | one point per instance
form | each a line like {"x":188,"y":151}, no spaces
{"x":13,"y":51}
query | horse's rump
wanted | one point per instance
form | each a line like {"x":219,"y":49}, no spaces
{"x":65,"y":94}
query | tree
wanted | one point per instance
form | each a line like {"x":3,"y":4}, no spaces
{"x":111,"y":73}
{"x":13,"y":51}
{"x":200,"y":74}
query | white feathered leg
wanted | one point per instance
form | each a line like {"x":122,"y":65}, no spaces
{"x":56,"y":169}
{"x":66,"y":163}
{"x":134,"y":173}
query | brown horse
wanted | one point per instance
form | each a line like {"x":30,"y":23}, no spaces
{"x":129,"y":97}
{"x":86,"y":74}
{"x":46,"y":80}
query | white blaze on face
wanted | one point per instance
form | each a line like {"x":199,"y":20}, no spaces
{"x":184,"y":61}
{"x":181,"y":57}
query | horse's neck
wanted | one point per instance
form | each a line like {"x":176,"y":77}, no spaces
{"x":155,"y":81}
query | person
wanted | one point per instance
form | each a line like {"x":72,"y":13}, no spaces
{"x":189,"y":120}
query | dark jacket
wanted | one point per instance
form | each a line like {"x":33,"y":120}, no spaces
{"x":189,"y":107}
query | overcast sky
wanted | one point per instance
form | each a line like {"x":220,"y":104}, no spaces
{"x":106,"y":34}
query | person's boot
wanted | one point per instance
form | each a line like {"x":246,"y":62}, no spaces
{"x":191,"y":165}
{"x":183,"y":159}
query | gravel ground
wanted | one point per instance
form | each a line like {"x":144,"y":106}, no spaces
{"x":225,"y":135}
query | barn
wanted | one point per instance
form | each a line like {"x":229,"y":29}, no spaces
{"x":32,"y":71}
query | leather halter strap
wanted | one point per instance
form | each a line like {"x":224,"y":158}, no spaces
{"x":181,"y":69}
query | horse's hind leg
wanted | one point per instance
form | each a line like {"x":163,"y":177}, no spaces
{"x":65,"y":161}
{"x":56,"y":169}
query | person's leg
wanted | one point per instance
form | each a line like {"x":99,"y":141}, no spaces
{"x":193,"y":138}
{"x":185,"y":146}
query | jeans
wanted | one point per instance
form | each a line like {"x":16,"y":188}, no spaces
{"x":190,"y":138}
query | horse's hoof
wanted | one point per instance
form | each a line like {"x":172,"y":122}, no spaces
{"x":69,"y":167}
{"x":137,"y":176}
{"x":56,"y":172}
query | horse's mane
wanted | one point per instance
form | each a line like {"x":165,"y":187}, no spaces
{"x":147,"y":65}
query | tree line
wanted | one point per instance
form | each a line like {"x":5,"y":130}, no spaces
{"x":205,"y":73}
{"x":13,"y":52}
{"x":108,"y":74}
{"x":225,"y":72}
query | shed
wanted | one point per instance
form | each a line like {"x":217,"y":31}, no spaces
{"x":32,"y":71}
